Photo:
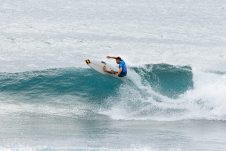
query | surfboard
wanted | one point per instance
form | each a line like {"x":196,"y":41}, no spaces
{"x":99,"y":67}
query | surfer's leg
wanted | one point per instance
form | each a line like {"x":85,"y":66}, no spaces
{"x":122,"y":74}
{"x":110,"y":72}
{"x":105,"y":70}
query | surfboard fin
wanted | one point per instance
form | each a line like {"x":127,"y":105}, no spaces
{"x":88,"y":61}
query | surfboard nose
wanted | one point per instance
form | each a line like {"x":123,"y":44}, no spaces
{"x":87,"y":61}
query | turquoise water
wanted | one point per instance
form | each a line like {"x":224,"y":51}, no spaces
{"x":96,"y":92}
{"x":167,"y":79}
{"x":80,"y":109}
{"x":173,"y":98}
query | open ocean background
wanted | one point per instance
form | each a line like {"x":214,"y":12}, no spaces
{"x":174,"y":98}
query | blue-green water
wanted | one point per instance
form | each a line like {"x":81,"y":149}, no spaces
{"x":98,"y":93}
{"x":81,"y":109}
{"x":173,"y":98}
{"x":165,"y":79}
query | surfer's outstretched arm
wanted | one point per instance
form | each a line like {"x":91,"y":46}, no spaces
{"x":110,"y":57}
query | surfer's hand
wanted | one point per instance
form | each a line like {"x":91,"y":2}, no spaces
{"x":108,"y":57}
{"x":104,"y":68}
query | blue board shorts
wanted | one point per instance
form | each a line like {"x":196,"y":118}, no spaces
{"x":123,"y":74}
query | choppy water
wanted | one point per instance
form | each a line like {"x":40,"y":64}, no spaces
{"x":172,"y":100}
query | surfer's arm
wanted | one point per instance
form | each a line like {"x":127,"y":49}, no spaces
{"x":109,"y":71}
{"x":110,"y":57}
{"x":119,"y":71}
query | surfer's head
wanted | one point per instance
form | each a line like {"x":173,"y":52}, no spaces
{"x":118,"y":59}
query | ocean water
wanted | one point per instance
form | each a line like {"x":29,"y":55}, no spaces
{"x":173,"y":98}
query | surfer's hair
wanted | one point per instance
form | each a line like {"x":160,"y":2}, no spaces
{"x":119,"y":58}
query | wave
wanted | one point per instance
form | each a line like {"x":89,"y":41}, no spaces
{"x":150,"y":92}
{"x":165,"y":79}
{"x":79,"y":82}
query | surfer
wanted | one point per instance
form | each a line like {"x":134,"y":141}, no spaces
{"x":122,"y":72}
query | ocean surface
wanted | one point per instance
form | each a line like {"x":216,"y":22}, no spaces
{"x":173,"y":99}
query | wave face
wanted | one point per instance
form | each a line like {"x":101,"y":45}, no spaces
{"x":165,"y":79}
{"x":53,"y":82}
{"x":150,"y":92}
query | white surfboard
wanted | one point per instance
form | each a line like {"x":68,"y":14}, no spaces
{"x":99,"y":67}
